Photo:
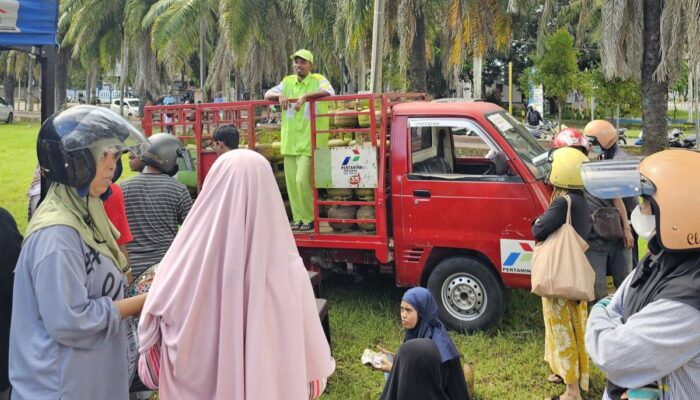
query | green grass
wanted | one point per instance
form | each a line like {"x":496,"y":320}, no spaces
{"x":507,"y":360}
{"x":17,"y":163}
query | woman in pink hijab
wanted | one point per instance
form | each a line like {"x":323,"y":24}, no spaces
{"x":231,"y":313}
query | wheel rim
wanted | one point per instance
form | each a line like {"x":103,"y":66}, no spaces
{"x":464,"y":296}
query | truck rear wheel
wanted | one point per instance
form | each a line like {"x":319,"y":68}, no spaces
{"x":468,"y":292}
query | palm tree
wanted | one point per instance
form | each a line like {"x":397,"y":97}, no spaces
{"x":405,"y":20}
{"x":181,"y":29}
{"x":645,"y":40}
{"x":261,"y":34}
{"x":474,"y":27}
{"x":9,"y":71}
{"x":99,"y":32}
{"x":649,"y":39}
{"x":352,"y":33}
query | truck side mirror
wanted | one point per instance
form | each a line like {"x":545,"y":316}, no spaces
{"x":186,"y":160}
{"x":500,"y":162}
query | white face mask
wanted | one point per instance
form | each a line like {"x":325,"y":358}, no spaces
{"x":644,"y":225}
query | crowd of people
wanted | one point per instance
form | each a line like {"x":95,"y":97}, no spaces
{"x":225,"y":318}
{"x":640,"y":337}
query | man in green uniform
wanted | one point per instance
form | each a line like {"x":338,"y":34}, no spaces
{"x":296,"y":133}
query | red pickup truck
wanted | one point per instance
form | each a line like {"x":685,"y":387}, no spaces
{"x":439,"y":194}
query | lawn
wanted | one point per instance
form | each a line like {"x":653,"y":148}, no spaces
{"x":507,"y":360}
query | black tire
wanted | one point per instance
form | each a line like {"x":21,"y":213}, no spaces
{"x":621,"y":141}
{"x":468,"y":292}
{"x":10,"y":118}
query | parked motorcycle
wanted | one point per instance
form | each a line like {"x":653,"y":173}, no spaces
{"x":622,"y":136}
{"x":676,"y":139}
{"x":679,"y":140}
{"x":545,"y":130}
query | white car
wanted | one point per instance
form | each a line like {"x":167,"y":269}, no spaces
{"x":131,"y":107}
{"x":7,"y":112}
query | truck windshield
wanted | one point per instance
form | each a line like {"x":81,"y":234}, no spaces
{"x":520,"y":139}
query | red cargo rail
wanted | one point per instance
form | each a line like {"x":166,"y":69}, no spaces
{"x":197,"y":122}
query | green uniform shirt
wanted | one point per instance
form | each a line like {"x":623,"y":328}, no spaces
{"x":296,"y":125}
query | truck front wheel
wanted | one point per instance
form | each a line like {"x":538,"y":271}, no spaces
{"x":468,"y":292}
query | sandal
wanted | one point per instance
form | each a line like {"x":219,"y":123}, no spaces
{"x":555,"y":379}
{"x":295,"y":225}
{"x":306,"y":227}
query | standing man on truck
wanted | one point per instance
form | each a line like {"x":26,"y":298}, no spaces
{"x":296,"y":133}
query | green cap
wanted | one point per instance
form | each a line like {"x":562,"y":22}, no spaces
{"x":305,"y":54}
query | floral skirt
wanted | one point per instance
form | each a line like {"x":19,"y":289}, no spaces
{"x":564,"y":347}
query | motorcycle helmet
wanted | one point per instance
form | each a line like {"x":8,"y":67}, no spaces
{"x":659,"y":179}
{"x":566,"y":168}
{"x":163,"y":152}
{"x":602,"y":132}
{"x":68,"y":139}
{"x":570,"y":137}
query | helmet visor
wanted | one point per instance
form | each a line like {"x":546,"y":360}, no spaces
{"x":98,"y":126}
{"x":615,"y":178}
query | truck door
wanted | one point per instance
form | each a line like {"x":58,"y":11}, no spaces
{"x":454,"y":197}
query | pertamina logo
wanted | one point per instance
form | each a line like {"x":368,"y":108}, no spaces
{"x":354,"y":158}
{"x":516,"y":256}
{"x":351,"y":163}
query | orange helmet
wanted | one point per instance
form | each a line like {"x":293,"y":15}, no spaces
{"x":678,"y":210}
{"x":662,"y":177}
{"x":601,"y":131}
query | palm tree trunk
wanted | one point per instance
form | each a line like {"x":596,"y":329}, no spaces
{"x":691,"y":95}
{"x":28,"y":101}
{"x":9,"y":88}
{"x":123,"y":74}
{"x":654,"y":93}
{"x":477,"y":70}
{"x":418,"y":71}
{"x":459,"y":89}
{"x":62,"y":77}
{"x":89,"y":85}
{"x":202,"y":54}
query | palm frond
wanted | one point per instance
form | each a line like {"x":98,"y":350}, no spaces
{"x":672,"y":49}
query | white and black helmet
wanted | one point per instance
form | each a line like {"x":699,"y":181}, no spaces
{"x":65,"y":140}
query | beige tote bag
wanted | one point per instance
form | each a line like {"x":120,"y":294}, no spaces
{"x":560,"y":268}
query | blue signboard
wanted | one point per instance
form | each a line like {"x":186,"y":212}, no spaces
{"x":28,"y":22}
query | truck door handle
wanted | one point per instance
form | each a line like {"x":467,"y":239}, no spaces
{"x":421,"y":193}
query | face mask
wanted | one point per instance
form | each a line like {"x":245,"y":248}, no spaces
{"x":595,"y":151}
{"x":644,"y":225}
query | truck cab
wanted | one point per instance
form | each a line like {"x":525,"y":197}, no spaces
{"x":464,"y":193}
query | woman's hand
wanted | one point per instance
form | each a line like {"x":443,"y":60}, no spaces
{"x":131,"y":305}
{"x":386,"y":364}
{"x":629,"y":239}
{"x":385,"y":351}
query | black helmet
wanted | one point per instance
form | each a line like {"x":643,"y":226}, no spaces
{"x":65,"y":139}
{"x":163,"y":152}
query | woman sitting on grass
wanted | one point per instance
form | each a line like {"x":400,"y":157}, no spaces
{"x":419,"y":316}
